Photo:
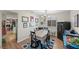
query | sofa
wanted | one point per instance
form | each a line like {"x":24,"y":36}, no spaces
{"x":69,"y":39}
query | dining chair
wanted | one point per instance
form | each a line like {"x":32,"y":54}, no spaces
{"x":34,"y":41}
{"x":44,"y":45}
{"x":48,"y":36}
{"x":49,"y":42}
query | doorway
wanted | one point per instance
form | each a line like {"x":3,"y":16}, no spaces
{"x":9,"y":28}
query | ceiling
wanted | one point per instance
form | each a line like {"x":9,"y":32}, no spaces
{"x":39,"y":12}
{"x":43,"y":12}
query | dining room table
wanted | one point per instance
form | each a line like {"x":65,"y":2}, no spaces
{"x":41,"y":35}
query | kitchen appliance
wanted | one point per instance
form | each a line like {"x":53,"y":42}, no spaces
{"x":61,"y":27}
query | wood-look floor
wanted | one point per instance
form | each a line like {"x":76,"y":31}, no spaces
{"x":58,"y":44}
{"x":12,"y":45}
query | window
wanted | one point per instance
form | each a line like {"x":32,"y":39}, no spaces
{"x":51,"y":22}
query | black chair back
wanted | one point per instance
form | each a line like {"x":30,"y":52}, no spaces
{"x":34,"y":43}
{"x":33,"y":35}
{"x":48,"y":36}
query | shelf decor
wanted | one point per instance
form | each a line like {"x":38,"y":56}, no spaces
{"x":25,"y":19}
{"x":31,"y":19}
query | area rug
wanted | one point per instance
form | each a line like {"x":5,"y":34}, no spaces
{"x":47,"y":45}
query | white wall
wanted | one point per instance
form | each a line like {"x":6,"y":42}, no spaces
{"x":0,"y":30}
{"x":8,"y":15}
{"x":62,"y":16}
{"x":73,"y":13}
{"x":23,"y":33}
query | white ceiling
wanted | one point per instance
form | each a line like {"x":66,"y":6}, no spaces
{"x":39,"y":12}
{"x":48,"y":11}
{"x":43,"y":12}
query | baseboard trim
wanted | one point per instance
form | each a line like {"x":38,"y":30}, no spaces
{"x":23,"y":39}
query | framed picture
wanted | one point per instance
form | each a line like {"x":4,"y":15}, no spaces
{"x":31,"y":25}
{"x":36,"y":20}
{"x":25,"y":19}
{"x":25,"y":25}
{"x":31,"y":19}
{"x":76,"y":20}
{"x":49,"y":22}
